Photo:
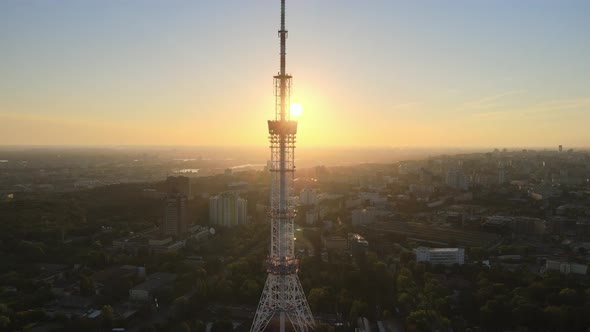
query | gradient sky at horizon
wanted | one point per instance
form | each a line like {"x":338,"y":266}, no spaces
{"x":377,"y":73}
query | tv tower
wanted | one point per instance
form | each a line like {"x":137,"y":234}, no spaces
{"x":282,"y":294}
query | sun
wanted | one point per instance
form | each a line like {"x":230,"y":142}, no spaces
{"x":296,"y":109}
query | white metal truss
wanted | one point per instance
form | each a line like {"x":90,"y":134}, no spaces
{"x":282,"y":294}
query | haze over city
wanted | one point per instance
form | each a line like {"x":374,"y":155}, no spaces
{"x":377,"y":73}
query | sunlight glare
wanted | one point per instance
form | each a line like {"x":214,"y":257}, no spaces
{"x":296,"y":109}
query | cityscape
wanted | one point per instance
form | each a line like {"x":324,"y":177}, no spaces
{"x":484,"y":234}
{"x":434,"y":187}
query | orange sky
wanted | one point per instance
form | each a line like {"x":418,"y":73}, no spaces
{"x":461,"y":73}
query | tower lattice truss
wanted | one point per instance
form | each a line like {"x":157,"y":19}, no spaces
{"x":283,"y":296}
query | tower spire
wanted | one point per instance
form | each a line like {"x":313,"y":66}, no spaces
{"x":283,"y":295}
{"x":283,"y":36}
{"x":283,"y":73}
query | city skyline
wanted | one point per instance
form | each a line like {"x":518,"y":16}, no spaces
{"x":384,"y":73}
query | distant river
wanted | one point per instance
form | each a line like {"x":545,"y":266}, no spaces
{"x":188,"y":170}
{"x":249,"y":166}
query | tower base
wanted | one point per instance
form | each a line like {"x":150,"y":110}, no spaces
{"x":283,"y":296}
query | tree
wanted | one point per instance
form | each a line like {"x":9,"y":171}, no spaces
{"x":3,"y":309}
{"x":527,"y":314}
{"x":181,"y":327}
{"x":201,"y":289}
{"x":494,"y":312}
{"x":317,"y":298}
{"x":555,"y":318}
{"x":427,"y":321}
{"x":407,"y":301}
{"x":250,"y":290}
{"x":386,"y":314}
{"x":4,"y":322}
{"x":148,"y":329}
{"x":568,"y":296}
{"x":107,"y":315}
{"x":180,"y":308}
{"x":344,"y":300}
{"x":420,"y":320}
{"x":358,"y":309}
{"x":222,"y":326}
{"x":478,"y":253}
{"x":86,"y":286}
{"x":199,"y":326}
{"x":323,"y":327}
{"x":407,"y":256}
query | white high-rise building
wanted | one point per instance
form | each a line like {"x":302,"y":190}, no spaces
{"x":228,"y":209}
{"x":456,"y":179}
{"x":312,"y":216}
{"x":308,"y":197}
{"x":501,"y":176}
{"x":444,"y":256}
{"x":179,"y":184}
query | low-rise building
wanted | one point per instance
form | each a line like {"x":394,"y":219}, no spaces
{"x":49,"y":273}
{"x":373,"y":198}
{"x":194,"y":261}
{"x":150,"y":240}
{"x":444,"y":256}
{"x":367,"y":216}
{"x":353,"y":203}
{"x":108,"y":280}
{"x":199,"y":233}
{"x":337,"y":243}
{"x":515,"y":224}
{"x":153,"y":283}
{"x":357,"y":245}
{"x":167,"y":248}
{"x":566,"y":267}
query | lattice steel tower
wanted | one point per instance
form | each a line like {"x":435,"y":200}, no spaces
{"x":282,"y":294}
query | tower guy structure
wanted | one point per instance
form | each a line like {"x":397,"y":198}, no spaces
{"x":283,"y":295}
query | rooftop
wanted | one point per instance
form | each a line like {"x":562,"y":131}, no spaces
{"x":155,"y":281}
{"x":438,"y":249}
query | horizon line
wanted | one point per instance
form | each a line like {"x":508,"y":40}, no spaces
{"x":393,"y":147}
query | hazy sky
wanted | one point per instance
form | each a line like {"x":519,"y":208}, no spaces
{"x":398,"y":73}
